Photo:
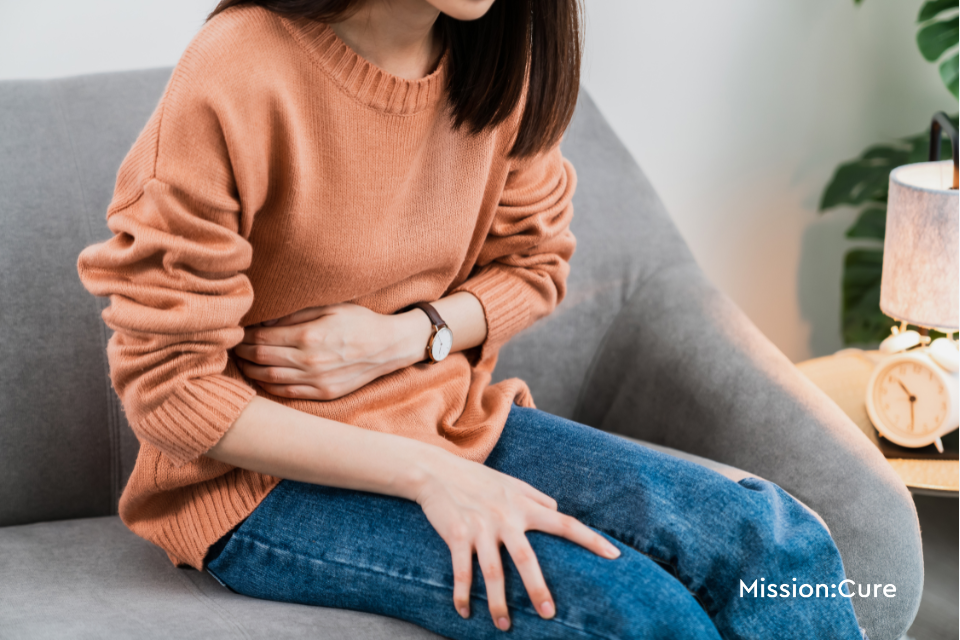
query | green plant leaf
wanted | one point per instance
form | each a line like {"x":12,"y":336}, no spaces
{"x":862,"y":321}
{"x":865,"y":178}
{"x":871,"y":223}
{"x":920,"y":147}
{"x":948,"y":73}
{"x":932,"y":8}
{"x":937,"y":37}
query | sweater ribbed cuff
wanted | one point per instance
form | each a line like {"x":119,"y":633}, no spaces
{"x":196,"y":416}
{"x":504,"y":305}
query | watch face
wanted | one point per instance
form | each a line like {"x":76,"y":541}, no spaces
{"x":442,"y":342}
{"x":910,"y":399}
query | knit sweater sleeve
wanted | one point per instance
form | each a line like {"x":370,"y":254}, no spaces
{"x":521,"y":271}
{"x":174,"y":274}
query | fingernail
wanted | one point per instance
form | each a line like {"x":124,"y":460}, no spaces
{"x":503,"y":624}
{"x":547,"y":610}
{"x":464,"y":612}
{"x":612,"y":551}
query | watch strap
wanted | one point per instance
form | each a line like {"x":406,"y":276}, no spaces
{"x":431,"y":312}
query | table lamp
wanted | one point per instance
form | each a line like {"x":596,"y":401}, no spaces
{"x":913,"y":395}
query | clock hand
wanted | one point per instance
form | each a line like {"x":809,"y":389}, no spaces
{"x":913,"y":398}
{"x":911,"y":413}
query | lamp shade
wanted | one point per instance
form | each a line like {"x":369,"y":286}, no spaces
{"x":921,"y":250}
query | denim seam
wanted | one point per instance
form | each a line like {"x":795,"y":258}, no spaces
{"x":709,"y":610}
{"x":524,"y":610}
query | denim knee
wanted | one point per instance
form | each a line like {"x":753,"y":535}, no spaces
{"x":631,"y":597}
{"x":786,"y":526}
{"x":673,"y":613}
{"x":775,"y":534}
{"x":785,"y":562}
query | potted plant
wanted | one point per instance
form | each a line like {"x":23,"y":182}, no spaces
{"x":863,"y":181}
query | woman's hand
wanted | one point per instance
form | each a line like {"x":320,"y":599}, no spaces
{"x":323,"y":353}
{"x":476,"y":509}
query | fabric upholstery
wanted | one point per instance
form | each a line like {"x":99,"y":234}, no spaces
{"x":643,"y":345}
{"x":92,"y":578}
{"x":65,"y":449}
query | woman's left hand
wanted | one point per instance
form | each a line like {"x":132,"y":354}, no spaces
{"x":323,"y":353}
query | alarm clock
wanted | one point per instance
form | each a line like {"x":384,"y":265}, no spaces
{"x":913,"y":395}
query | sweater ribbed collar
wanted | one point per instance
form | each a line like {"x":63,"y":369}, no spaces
{"x":362,"y":79}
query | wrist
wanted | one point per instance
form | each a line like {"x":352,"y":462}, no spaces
{"x":421,"y":468}
{"x":413,"y":331}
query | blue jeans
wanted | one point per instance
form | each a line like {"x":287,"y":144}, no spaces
{"x":688,"y":538}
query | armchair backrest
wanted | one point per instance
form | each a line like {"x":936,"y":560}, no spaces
{"x":66,"y":449}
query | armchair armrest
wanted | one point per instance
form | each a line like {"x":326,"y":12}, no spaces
{"x":682,"y":366}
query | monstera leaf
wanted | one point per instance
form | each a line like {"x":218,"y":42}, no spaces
{"x":867,"y":178}
{"x":863,"y":323}
{"x":939,"y":33}
{"x":871,"y":224}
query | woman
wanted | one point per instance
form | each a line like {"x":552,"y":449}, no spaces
{"x":374,"y":189}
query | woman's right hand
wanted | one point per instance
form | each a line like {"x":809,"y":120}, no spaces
{"x":476,"y":509}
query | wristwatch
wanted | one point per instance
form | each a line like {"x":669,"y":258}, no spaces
{"x":438,"y":347}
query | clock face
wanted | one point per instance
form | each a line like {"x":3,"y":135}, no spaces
{"x":442,"y":342}
{"x":910,"y":399}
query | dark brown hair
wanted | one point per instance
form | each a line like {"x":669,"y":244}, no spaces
{"x":489,"y":58}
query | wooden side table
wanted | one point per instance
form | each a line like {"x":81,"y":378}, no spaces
{"x":844,"y":376}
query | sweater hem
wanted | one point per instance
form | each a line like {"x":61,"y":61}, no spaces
{"x":196,"y":416}
{"x":187,"y":536}
{"x":501,"y":297}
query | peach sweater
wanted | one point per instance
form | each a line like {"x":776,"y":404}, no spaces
{"x":280,"y":171}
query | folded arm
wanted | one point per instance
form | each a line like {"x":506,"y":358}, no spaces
{"x":520,"y":275}
{"x":324,"y":353}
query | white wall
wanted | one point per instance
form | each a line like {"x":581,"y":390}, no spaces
{"x":738,"y":110}
{"x":51,"y":38}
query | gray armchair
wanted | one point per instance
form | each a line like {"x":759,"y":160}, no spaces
{"x":643,"y":346}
